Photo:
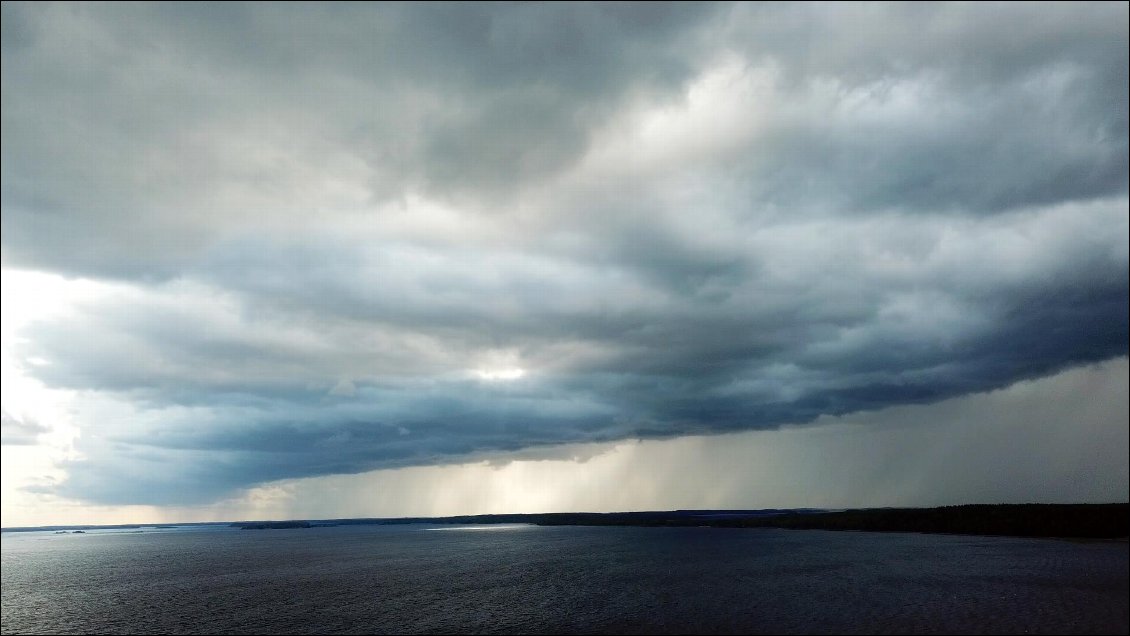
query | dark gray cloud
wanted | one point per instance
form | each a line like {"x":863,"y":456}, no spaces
{"x":334,"y":229}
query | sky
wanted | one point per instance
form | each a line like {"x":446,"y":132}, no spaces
{"x":340,"y":260}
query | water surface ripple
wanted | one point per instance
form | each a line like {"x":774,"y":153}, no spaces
{"x":407,"y":579}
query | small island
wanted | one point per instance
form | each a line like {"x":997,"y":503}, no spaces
{"x":271,"y":525}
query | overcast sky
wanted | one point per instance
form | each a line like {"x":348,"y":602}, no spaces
{"x":349,"y":259}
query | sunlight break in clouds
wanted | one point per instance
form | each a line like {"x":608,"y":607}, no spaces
{"x":500,"y":374}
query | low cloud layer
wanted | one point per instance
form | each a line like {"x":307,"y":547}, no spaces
{"x":336,"y":238}
{"x":901,"y":456}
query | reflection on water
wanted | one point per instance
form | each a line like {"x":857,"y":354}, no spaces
{"x":358,"y":579}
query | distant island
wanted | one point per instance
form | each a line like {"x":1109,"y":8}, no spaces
{"x":1070,"y":521}
{"x":271,"y":525}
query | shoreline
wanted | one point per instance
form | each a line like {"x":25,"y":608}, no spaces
{"x":1069,"y":522}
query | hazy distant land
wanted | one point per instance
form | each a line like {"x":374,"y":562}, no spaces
{"x":1105,"y":521}
{"x":1083,"y":521}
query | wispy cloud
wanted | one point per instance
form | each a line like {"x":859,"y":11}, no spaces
{"x":19,"y":432}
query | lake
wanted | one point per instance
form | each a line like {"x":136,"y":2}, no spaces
{"x":421,"y":578}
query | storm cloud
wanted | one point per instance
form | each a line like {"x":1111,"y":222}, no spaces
{"x":335,"y":238}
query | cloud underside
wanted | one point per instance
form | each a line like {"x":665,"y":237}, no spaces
{"x":338,"y":238}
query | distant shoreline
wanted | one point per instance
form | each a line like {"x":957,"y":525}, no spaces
{"x":1052,"y":521}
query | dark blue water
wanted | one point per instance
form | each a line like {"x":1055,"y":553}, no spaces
{"x":365,"y":579}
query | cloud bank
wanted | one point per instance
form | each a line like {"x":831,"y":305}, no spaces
{"x":337,"y":238}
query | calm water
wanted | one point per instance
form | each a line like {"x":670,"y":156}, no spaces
{"x":559,"y":579}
